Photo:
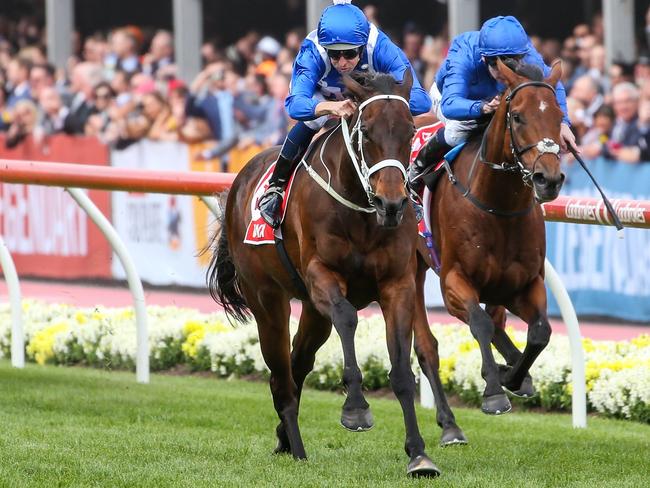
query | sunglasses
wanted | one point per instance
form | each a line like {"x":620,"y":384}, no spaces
{"x":492,"y":60}
{"x":348,"y":54}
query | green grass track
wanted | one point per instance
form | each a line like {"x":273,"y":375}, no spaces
{"x":84,"y":427}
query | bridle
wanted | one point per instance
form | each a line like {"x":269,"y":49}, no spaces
{"x":544,"y":146}
{"x":364,"y":172}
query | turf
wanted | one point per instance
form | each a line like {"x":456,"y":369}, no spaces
{"x":84,"y":427}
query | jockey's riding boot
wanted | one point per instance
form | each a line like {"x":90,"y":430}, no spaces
{"x":430,"y":154}
{"x":271,"y":201}
{"x":293,"y":149}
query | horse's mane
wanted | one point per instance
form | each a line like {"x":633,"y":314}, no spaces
{"x":529,"y":71}
{"x":382,"y":83}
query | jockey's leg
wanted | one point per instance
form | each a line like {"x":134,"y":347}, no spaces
{"x":292,"y":151}
{"x":432,"y":152}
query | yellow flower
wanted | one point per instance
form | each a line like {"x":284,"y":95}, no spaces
{"x":195,"y":332}
{"x":81,"y":317}
{"x":41,"y":346}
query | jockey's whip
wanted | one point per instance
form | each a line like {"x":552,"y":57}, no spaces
{"x":608,"y":205}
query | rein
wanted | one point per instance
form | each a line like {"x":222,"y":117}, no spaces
{"x":544,"y":146}
{"x":363,"y":171}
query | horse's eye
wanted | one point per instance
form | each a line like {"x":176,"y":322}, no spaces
{"x":516,"y":118}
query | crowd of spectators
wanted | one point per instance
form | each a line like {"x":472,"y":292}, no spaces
{"x":123,"y":86}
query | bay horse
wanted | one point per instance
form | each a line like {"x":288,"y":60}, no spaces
{"x":350,"y":247}
{"x":489,"y":230}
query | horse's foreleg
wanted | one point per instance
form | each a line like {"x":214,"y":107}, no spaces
{"x":462,"y":302}
{"x":396,"y":301}
{"x":327,"y":290}
{"x":531,"y":308}
{"x":508,"y":350}
{"x":426,"y":348}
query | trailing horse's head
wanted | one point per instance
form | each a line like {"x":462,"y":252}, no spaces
{"x":381,"y":139}
{"x":533,"y":119}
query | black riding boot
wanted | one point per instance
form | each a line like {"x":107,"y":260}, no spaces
{"x":292,"y":151}
{"x":271,"y":201}
{"x":430,"y":154}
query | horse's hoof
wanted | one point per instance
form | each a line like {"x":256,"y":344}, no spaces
{"x":526,"y":390}
{"x":422,"y":466}
{"x":357,"y":419}
{"x":282,"y":448}
{"x":452,"y":436}
{"x":496,"y":404}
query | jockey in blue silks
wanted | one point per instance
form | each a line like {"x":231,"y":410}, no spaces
{"x":468,"y":85}
{"x":344,"y":42}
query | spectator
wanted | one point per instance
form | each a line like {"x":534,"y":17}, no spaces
{"x":625,"y":133}
{"x":210,"y":99}
{"x":52,"y":111}
{"x":18,"y":80}
{"x":162,"y":124}
{"x":23,"y":123}
{"x":412,"y":42}
{"x":587,"y":91}
{"x":619,"y":72}
{"x":84,"y":77}
{"x":266,"y":52}
{"x":161,"y":53}
{"x":5,"y":116}
{"x":594,"y":141}
{"x":123,"y":53}
{"x":41,"y":76}
{"x":98,"y":122}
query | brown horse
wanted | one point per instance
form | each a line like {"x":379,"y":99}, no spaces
{"x":490,"y":234}
{"x":350,"y":247}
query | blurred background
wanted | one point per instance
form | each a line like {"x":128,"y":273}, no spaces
{"x":200,"y":85}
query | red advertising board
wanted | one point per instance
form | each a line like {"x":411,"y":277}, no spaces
{"x":46,"y":232}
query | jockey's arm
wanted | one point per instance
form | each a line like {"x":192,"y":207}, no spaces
{"x":388,"y":58}
{"x":307,"y":70}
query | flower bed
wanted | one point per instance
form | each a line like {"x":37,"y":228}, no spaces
{"x":618,"y":373}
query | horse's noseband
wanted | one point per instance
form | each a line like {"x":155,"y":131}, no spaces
{"x":545,"y":146}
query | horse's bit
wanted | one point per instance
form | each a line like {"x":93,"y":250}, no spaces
{"x":361,"y":167}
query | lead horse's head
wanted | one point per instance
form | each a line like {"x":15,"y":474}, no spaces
{"x":533,"y":119}
{"x":380,"y":141}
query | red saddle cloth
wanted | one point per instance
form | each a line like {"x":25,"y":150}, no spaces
{"x":258,"y":231}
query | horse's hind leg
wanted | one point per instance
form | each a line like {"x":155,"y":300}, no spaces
{"x":508,"y":350}
{"x":531,"y":307}
{"x":327,"y":291}
{"x":462,"y":302}
{"x":272,"y":316}
{"x":426,"y":348}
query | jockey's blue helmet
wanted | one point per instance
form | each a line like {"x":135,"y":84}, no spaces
{"x":343,"y":26}
{"x":502,"y":36}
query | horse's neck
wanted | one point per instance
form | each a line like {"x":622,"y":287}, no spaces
{"x":499,"y":189}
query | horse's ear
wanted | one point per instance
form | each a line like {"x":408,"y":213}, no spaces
{"x":355,"y":88}
{"x":404,"y":88}
{"x":556,"y":73}
{"x":512,"y":78}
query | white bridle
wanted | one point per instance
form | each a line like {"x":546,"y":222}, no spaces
{"x":361,"y":167}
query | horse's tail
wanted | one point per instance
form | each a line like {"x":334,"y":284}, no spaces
{"x":222,"y":278}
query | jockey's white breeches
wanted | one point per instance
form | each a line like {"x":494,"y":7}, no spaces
{"x":456,"y":131}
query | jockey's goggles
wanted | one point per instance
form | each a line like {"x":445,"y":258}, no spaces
{"x":349,"y":54}
{"x":492,"y":60}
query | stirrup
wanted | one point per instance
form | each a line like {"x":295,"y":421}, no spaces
{"x":272,"y":197}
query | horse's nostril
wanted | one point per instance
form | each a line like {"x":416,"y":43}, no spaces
{"x":378,"y":202}
{"x":539,"y":179}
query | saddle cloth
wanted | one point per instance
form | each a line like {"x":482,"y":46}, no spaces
{"x":258,"y":231}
